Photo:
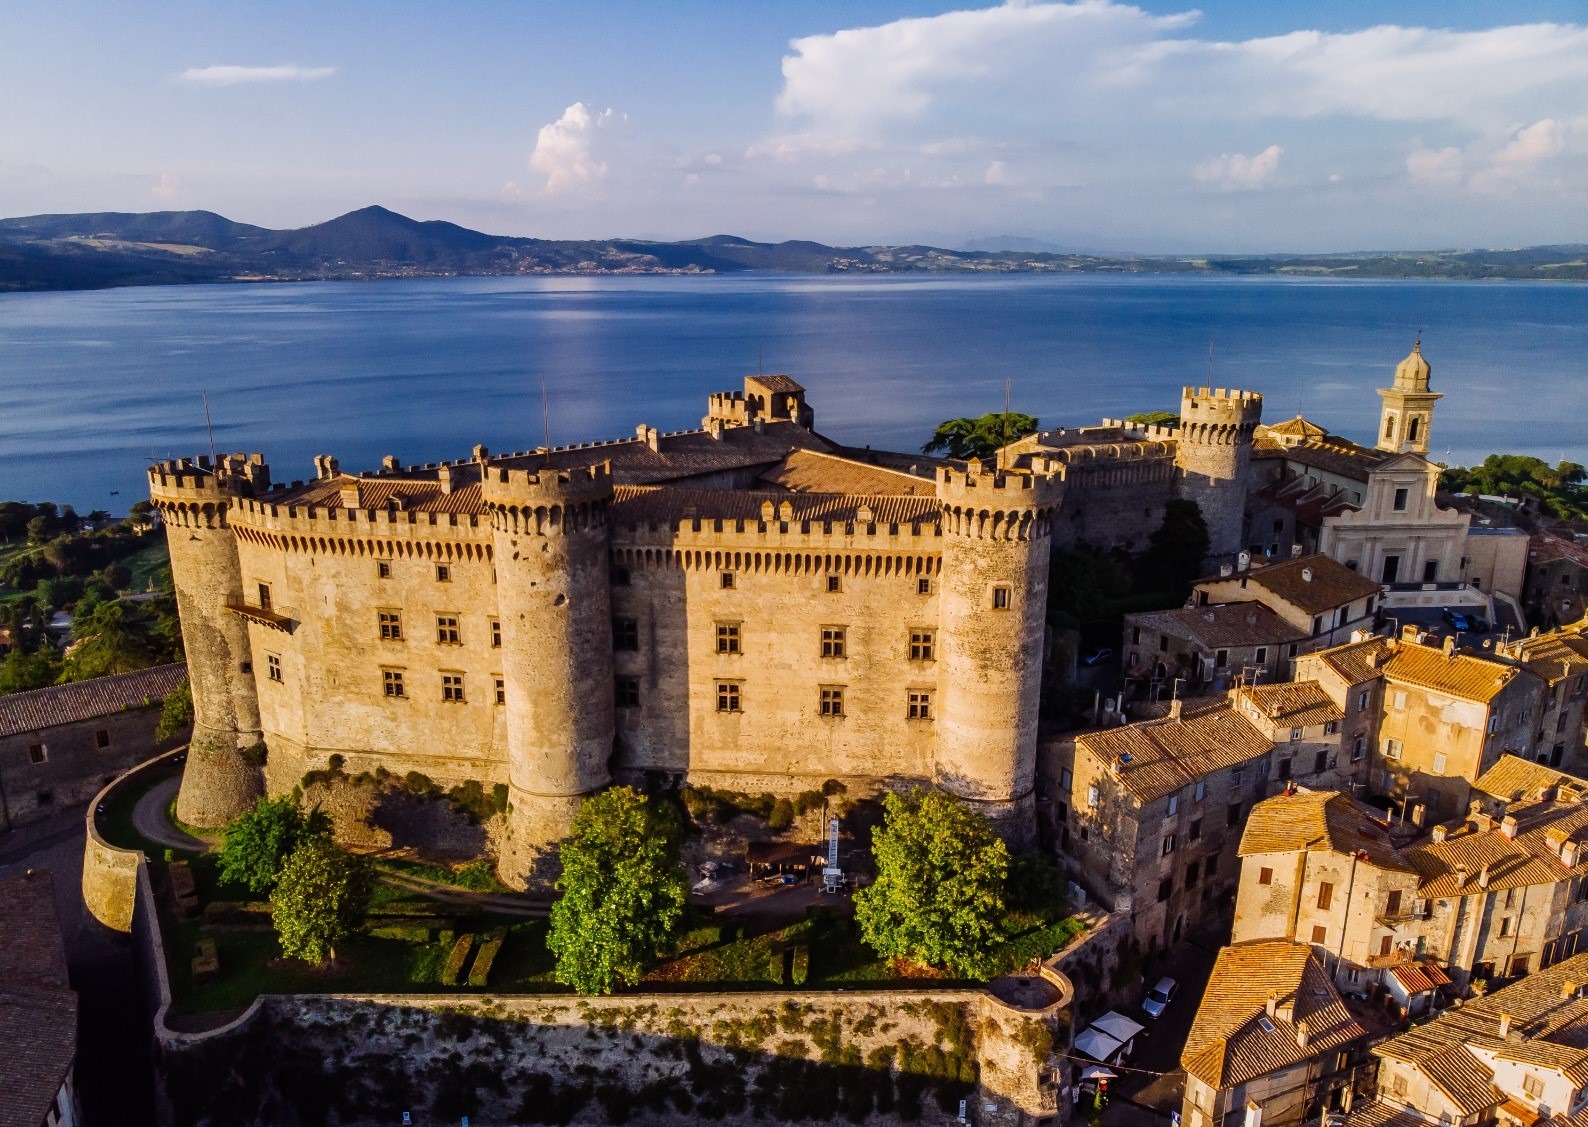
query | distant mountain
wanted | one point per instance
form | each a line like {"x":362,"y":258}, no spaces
{"x":102,"y":249}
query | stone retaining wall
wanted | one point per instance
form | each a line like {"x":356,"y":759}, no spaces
{"x":110,"y":873}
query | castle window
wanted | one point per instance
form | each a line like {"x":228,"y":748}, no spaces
{"x":832,"y":700}
{"x":1001,"y":599}
{"x":728,"y":696}
{"x":443,"y":573}
{"x":1400,"y":500}
{"x":728,"y":637}
{"x":832,"y":642}
{"x":618,"y":576}
{"x":923,"y":586}
{"x":727,"y":581}
{"x":835,"y":583}
{"x":102,"y":739}
{"x":383,"y":569}
{"x":447,"y":630}
{"x":626,"y":692}
{"x":273,"y":667}
{"x":920,"y":704}
{"x":625,"y":634}
{"x":923,"y":645}
{"x":391,"y":625}
{"x":496,"y":634}
{"x":37,"y":753}
{"x":501,"y":691}
{"x":264,"y":596}
{"x":452,"y":687}
{"x":392,"y":681}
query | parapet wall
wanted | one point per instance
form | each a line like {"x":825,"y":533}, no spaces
{"x":110,"y":872}
{"x":1218,"y":407}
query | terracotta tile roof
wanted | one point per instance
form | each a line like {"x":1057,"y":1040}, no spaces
{"x":38,"y":1011}
{"x":668,"y":505}
{"x":1416,"y":978}
{"x":1563,"y":1058}
{"x":1547,"y":548}
{"x":419,"y":495}
{"x":1293,"y":704}
{"x":1514,"y":779}
{"x":811,"y":471}
{"x":1331,"y":584}
{"x":1332,"y":455}
{"x":1295,"y":428}
{"x":774,"y":382}
{"x":1222,"y":626}
{"x":1154,"y":758}
{"x":1463,"y":1077}
{"x":1373,"y":1113}
{"x":1458,"y":675}
{"x":38,"y":709}
{"x":1310,"y":503}
{"x":1357,"y":662}
{"x":1531,"y":858}
{"x":1232,"y":1039}
{"x":1553,"y":656}
{"x":1320,"y":820}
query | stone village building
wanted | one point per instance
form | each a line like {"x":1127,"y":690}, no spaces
{"x":38,"y":1008}
{"x":1557,"y":579}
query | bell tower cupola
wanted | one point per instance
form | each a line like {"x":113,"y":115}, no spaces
{"x":1408,"y":407}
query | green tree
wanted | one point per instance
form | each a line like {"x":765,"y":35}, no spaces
{"x":20,"y":671}
{"x":111,"y":638}
{"x":939,"y":894}
{"x":1175,"y":551}
{"x":980,"y":437}
{"x":623,"y":891}
{"x":320,"y":899}
{"x":1154,"y":418}
{"x":258,"y":844}
{"x":176,"y":713}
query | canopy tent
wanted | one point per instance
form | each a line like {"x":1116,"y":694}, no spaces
{"x":1118,"y":1026}
{"x":1099,"y":1046}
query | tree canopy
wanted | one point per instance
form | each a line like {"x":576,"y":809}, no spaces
{"x":980,"y":437}
{"x":1561,"y":490}
{"x":320,"y":898}
{"x":1175,"y":550}
{"x":623,"y":891}
{"x":111,"y":637}
{"x":1154,"y":418}
{"x":258,"y":843}
{"x":939,"y":894}
{"x":176,"y":713}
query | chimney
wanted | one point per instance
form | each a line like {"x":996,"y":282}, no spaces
{"x":390,"y":462}
{"x":1439,"y":834}
{"x":649,"y":435}
{"x":1226,"y":570}
{"x":1505,"y":1025}
{"x":1295,"y":551}
{"x":768,"y":510}
{"x":1568,"y":989}
{"x":444,"y":475}
{"x":1174,"y":710}
{"x":1450,"y":647}
{"x":1483,"y":877}
{"x":350,"y":497}
{"x":1568,"y":854}
{"x":785,"y":510}
{"x":1254,"y":1116}
{"x":481,"y":453}
{"x":1546,"y":793}
{"x":1461,"y":877}
{"x":1508,"y":826}
{"x":1301,"y":1033}
{"x":1409,"y":632}
{"x":1243,"y":561}
{"x":715,"y":427}
{"x":1273,"y":1003}
{"x":760,"y":425}
{"x":1306,"y":575}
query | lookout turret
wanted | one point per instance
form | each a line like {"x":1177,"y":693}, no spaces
{"x":1408,"y":410}
{"x":1213,"y":451}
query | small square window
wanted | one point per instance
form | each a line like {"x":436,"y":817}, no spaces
{"x":264,"y":596}
{"x":728,"y":696}
{"x":1295,"y":735}
{"x":443,"y":573}
{"x":1265,"y":876}
{"x":102,"y":739}
{"x":37,"y":753}
{"x":727,"y":581}
{"x":625,"y":634}
{"x":1234,"y":815}
{"x":1001,"y":598}
{"x":1331,"y":727}
{"x":447,"y":630}
{"x":501,"y":691}
{"x":626,"y":692}
{"x":383,"y":569}
{"x":1168,"y":844}
{"x":832,"y":700}
{"x":452,"y":687}
{"x":618,"y":576}
{"x":496,"y":634}
{"x":833,"y":639}
{"x":1261,"y":656}
{"x":391,"y":625}
{"x":1194,"y":832}
{"x":835,"y":583}
{"x":1165,"y":889}
{"x":923,"y":645}
{"x":923,"y":586}
{"x":1400,"y":500}
{"x":1439,"y":762}
{"x":392,"y":680}
{"x":1362,"y":700}
{"x":1320,"y":934}
{"x":920,"y":704}
{"x":728,"y":638}
{"x":273,"y":667}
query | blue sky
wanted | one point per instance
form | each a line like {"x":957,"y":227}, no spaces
{"x":1232,"y":127}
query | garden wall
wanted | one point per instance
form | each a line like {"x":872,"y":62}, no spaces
{"x":110,"y":873}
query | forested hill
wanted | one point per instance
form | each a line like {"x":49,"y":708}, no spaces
{"x":101,"y":249}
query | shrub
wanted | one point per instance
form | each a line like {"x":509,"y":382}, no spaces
{"x":420,"y":783}
{"x":320,"y":898}
{"x":782,"y":816}
{"x":176,"y":713}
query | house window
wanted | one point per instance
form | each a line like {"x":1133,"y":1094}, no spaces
{"x":1317,"y":625}
{"x":834,"y":583}
{"x":1192,"y":872}
{"x":1168,"y":844}
{"x":1163,"y":643}
{"x":273,"y":667}
{"x":832,"y":700}
{"x":1284,"y":768}
{"x":1135,"y":635}
{"x":1392,"y":749}
{"x":452,"y":687}
{"x":832,"y":641}
{"x":1507,"y":923}
{"x":1325,"y":896}
{"x":1234,"y":815}
{"x":922,"y":645}
{"x":1494,"y":724}
{"x":1320,"y":934}
{"x":496,"y":634}
{"x":1200,"y":791}
{"x":1392,"y":903}
{"x":383,"y":569}
{"x":1221,"y":658}
{"x":920,"y":704}
{"x":1237,"y":776}
{"x":443,"y":573}
{"x":391,"y":625}
{"x":102,"y":739}
{"x":728,"y":637}
{"x":1400,"y":500}
{"x":1174,"y":805}
{"x":1320,"y":762}
{"x":1439,"y":763}
{"x":1533,"y":1086}
{"x":1194,"y":831}
{"x":1165,"y":889}
{"x":1265,"y":876}
{"x":923,"y":586}
{"x":625,"y":634}
{"x":1331,"y":727}
{"x":1392,"y":569}
{"x":37,"y":753}
{"x":1385,"y":944}
{"x":1066,"y":779}
{"x":264,"y":596}
{"x":1261,"y":656}
{"x":1295,"y":735}
{"x":626,"y":692}
{"x":392,"y":681}
{"x":726,"y":579}
{"x":501,"y":691}
{"x":447,"y":630}
{"x":1362,"y":700}
{"x":728,"y":696}
{"x":1001,"y":598}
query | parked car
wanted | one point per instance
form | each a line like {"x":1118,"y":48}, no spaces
{"x":1159,"y":997}
{"x":1097,"y":656}
{"x":1456,"y":620}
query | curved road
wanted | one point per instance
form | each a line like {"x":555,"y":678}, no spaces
{"x":149,"y":818}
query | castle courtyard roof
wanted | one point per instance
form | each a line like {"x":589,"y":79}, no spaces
{"x":38,"y":709}
{"x":1155,"y":758}
{"x":1333,"y":454}
{"x":813,"y":471}
{"x":668,"y":506}
{"x":1222,"y":626}
{"x":1320,"y":820}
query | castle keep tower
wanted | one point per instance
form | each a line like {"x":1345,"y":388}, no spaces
{"x":223,"y":777}
{"x":1213,"y":450}
{"x":549,"y":530}
{"x":996,"y":540}
{"x":1408,"y":407}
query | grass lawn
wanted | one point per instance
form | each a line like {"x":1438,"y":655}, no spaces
{"x":147,"y":563}
{"x":476,"y":876}
{"x":115,"y":824}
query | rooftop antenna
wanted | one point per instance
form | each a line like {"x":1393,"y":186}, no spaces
{"x":545,"y":416}
{"x":208,"y":425}
{"x":1210,"y":363}
{"x":1004,"y":427}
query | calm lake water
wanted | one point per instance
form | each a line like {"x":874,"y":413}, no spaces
{"x":93,"y":385}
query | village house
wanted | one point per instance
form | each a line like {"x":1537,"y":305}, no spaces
{"x":1322,"y":599}
{"x":1210,"y":645}
{"x":1303,"y":723}
{"x":1557,"y":579}
{"x":38,"y":1008}
{"x":1559,"y":660}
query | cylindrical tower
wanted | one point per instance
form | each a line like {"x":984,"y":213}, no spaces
{"x":223,"y":775}
{"x":1213,"y":452}
{"x":550,"y":535}
{"x":992,"y":609}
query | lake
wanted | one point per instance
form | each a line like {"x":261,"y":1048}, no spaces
{"x":94,"y":384}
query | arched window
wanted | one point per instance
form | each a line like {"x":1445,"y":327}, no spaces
{"x":1411,"y":429}
{"x":1389,"y":426}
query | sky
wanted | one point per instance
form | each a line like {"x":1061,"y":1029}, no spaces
{"x":1257,"y":126}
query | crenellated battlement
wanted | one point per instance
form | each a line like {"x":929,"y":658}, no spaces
{"x":204,"y":477}
{"x":504,"y":486}
{"x":1217,"y":407}
{"x":982,"y":488}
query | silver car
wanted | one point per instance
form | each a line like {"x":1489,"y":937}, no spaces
{"x":1159,"y":997}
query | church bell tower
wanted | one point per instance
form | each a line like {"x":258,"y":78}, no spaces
{"x":1408,"y":407}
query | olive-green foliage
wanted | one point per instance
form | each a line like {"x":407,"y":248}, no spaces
{"x":21,"y":670}
{"x":1154,"y":418}
{"x":623,"y":891}
{"x":258,"y":843}
{"x":980,"y":437}
{"x":782,"y":816}
{"x":471,"y":799}
{"x":939,"y":893}
{"x":112,"y":637}
{"x":321,"y":896}
{"x":1561,"y":491}
{"x":721,"y":805}
{"x":176,"y":713}
{"x":1175,"y":551}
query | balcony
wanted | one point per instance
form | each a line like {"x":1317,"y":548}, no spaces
{"x":262,"y":616}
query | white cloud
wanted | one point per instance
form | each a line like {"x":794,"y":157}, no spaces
{"x":996,"y":173}
{"x":1237,"y":170}
{"x":232,"y":75}
{"x":1523,"y":158}
{"x":1435,"y":166}
{"x":165,"y":188}
{"x":569,"y":151}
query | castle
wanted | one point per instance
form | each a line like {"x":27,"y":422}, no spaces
{"x":748,"y":605}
